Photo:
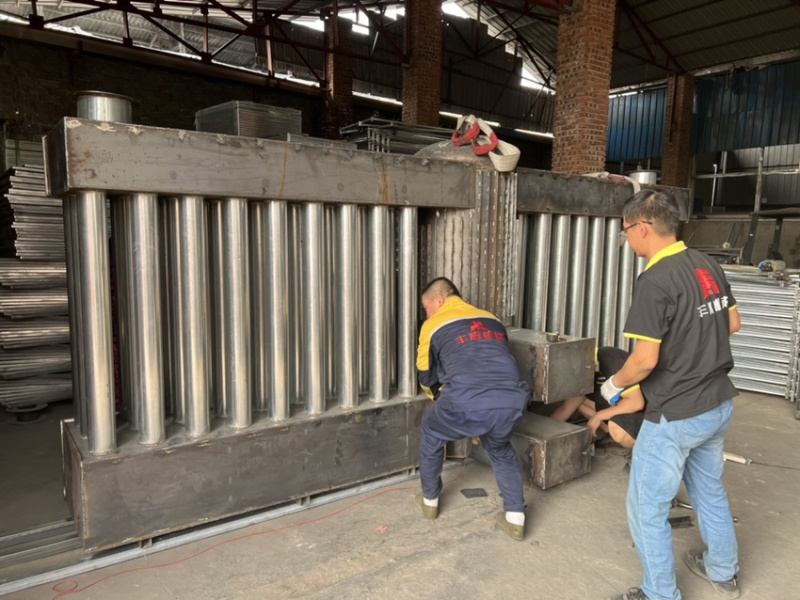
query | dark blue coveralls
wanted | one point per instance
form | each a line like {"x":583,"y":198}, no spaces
{"x":466,"y":365}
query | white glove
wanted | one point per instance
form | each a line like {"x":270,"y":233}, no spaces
{"x":610,"y":391}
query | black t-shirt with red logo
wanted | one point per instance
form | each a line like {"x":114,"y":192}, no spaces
{"x":682,"y":300}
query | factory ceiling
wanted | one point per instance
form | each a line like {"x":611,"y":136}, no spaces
{"x":653,"y":39}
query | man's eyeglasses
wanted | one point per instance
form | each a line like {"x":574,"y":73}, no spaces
{"x":623,"y":234}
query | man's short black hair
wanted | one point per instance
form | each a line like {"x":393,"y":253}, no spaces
{"x":441,"y":286}
{"x":658,"y":208}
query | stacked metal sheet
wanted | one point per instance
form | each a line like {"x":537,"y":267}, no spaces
{"x":18,"y":153}
{"x":31,"y":224}
{"x":249,"y":119}
{"x":383,"y":135}
{"x":35,"y":361}
{"x":766,"y":350}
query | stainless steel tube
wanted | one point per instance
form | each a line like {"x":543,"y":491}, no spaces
{"x":313,"y":293}
{"x":576,"y":286}
{"x":608,"y":307}
{"x":75,"y":321}
{"x":330,"y":303}
{"x":408,"y":304}
{"x":219,"y":358}
{"x":121,"y":316}
{"x":236,"y":319}
{"x":277,"y":309}
{"x":521,"y":247}
{"x":167,"y":293}
{"x":594,"y":277}
{"x":538,"y":271}
{"x":97,"y":351}
{"x":362,"y":244}
{"x":176,"y":262}
{"x":625,"y":290}
{"x":391,"y":290}
{"x":559,"y":264}
{"x":378,"y":305}
{"x":295,"y":289}
{"x":191,"y":313}
{"x":347,"y":308}
{"x":259,"y":284}
{"x":140,"y":255}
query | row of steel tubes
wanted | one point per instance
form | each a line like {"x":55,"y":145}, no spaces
{"x":173,"y":365}
{"x":578,"y":281}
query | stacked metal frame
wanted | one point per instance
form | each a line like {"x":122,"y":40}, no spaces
{"x":766,"y":351}
{"x":33,"y":226}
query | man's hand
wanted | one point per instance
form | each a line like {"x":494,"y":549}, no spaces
{"x":594,"y":422}
{"x":610,"y":391}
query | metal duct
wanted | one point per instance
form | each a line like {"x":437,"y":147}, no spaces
{"x":121,"y":317}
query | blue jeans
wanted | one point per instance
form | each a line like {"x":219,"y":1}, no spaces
{"x":494,"y":427}
{"x":666,"y":452}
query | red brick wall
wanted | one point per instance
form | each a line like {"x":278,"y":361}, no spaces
{"x":676,"y":166}
{"x":38,"y":84}
{"x":422,"y":79}
{"x":339,"y":69}
{"x":585,"y":43}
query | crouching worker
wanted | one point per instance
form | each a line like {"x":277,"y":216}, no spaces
{"x":621,"y":421}
{"x":466,"y":365}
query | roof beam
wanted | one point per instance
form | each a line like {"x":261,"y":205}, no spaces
{"x":638,"y":26}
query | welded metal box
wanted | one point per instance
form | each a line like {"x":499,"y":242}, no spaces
{"x":551,"y":452}
{"x":554,"y":370}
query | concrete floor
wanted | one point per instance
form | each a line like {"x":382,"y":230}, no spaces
{"x":378,"y":546}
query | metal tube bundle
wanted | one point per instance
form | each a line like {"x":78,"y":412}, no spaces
{"x":537,"y":274}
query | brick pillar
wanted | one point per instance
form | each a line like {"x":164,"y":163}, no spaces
{"x":339,"y":70}
{"x":580,"y":127}
{"x":675,"y":169}
{"x":422,"y":78}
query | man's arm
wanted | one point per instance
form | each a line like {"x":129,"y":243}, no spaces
{"x":639,"y":365}
{"x":632,"y":401}
{"x":735,"y":320}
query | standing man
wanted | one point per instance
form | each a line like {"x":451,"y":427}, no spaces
{"x":466,"y":366}
{"x":682,"y":315}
